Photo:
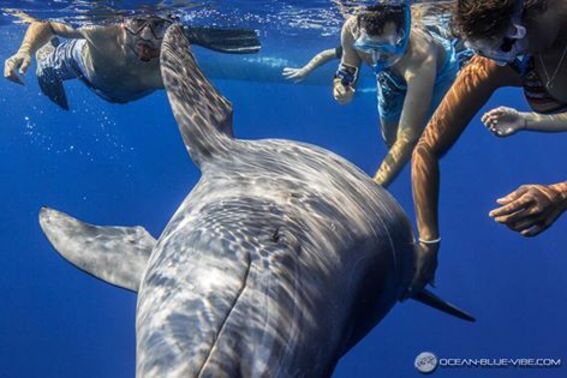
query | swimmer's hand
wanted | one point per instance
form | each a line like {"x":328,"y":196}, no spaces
{"x":342,"y":93}
{"x":504,"y":121}
{"x":530,"y":209}
{"x":17,"y":65}
{"x":295,"y":74}
{"x":426,"y":265}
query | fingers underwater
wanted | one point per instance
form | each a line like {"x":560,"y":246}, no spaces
{"x":534,"y":230}
{"x":24,"y":66}
{"x":506,"y":210}
{"x":512,"y":196}
{"x":11,"y":69}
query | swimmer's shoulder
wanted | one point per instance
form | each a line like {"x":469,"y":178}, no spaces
{"x":348,"y":31}
{"x":422,"y":49}
{"x":102,"y":37}
{"x":349,"y":25}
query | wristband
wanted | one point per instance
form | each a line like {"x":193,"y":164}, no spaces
{"x":347,"y":74}
{"x":430,"y":242}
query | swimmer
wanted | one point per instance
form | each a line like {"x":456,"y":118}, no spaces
{"x":415,"y":64}
{"x":119,"y":62}
{"x":521,"y":43}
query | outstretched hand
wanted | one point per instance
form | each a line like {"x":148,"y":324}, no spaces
{"x":17,"y":65}
{"x":426,"y":265}
{"x":343,"y":94}
{"x":295,"y":74}
{"x":530,"y":209}
{"x":504,"y":121}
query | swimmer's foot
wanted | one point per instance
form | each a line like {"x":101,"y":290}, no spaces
{"x":233,"y":41}
{"x":49,"y":81}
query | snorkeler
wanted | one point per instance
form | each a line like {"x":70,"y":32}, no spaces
{"x":119,"y":62}
{"x":519,"y":43}
{"x":415,"y":65}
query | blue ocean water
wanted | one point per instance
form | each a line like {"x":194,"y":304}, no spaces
{"x":126,"y":165}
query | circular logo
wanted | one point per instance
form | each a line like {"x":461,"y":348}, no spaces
{"x":426,"y":362}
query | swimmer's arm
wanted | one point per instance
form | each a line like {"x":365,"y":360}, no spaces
{"x":349,"y":67}
{"x":545,"y":122}
{"x":349,"y":56}
{"x":562,"y":189}
{"x":420,"y":81}
{"x":300,"y":74}
{"x":320,"y":59}
{"x":39,"y":33}
{"x":472,"y":89}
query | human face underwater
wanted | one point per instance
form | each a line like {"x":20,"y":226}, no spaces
{"x":146,"y":34}
{"x":505,"y":48}
{"x":388,"y":48}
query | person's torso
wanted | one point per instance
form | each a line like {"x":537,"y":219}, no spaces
{"x":544,"y":82}
{"x":420,"y":39}
{"x":116,"y":72}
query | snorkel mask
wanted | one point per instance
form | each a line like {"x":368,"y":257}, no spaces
{"x":157,"y":25}
{"x":144,"y":44}
{"x":385,"y":54}
{"x":507,"y":49}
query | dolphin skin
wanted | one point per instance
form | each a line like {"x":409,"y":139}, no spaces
{"x":282,"y":257}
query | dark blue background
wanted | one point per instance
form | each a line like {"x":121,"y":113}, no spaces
{"x":126,"y":165}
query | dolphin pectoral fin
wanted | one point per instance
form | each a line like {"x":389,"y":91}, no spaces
{"x":117,"y":255}
{"x":428,"y":298}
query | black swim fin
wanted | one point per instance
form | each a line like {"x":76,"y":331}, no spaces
{"x":428,"y":298}
{"x":52,"y":86}
{"x":49,"y":81}
{"x":232,"y":41}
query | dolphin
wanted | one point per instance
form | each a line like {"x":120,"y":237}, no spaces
{"x":280,"y":259}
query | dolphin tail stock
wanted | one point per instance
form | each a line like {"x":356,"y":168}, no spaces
{"x":204,"y":116}
{"x":428,"y":298}
{"x":116,"y":255}
{"x":230,"y":41}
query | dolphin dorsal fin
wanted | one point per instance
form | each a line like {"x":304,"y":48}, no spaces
{"x":204,"y":116}
{"x":117,"y":255}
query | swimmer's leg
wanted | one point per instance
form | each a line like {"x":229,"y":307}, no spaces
{"x":390,"y":100}
{"x":390,"y":106}
{"x":48,"y":77}
{"x":389,"y":132}
{"x":233,"y":41}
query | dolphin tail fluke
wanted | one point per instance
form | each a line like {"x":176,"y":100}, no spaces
{"x":428,"y":298}
{"x":204,"y":116}
{"x":116,"y":255}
